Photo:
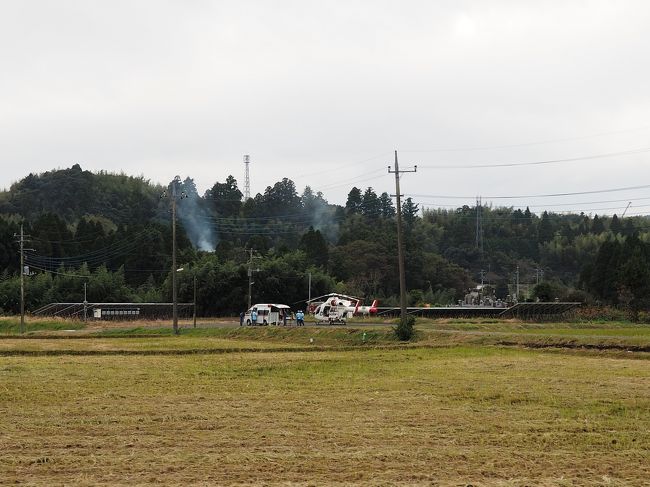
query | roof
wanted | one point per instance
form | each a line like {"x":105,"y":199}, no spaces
{"x":281,"y":306}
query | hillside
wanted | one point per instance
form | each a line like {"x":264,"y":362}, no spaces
{"x":114,"y":232}
{"x":73,"y":193}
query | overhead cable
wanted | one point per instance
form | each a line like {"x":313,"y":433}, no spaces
{"x":524,"y":144}
{"x":551,"y":195}
{"x":537,"y":163}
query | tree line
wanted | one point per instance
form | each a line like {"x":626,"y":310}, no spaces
{"x":113,"y":232}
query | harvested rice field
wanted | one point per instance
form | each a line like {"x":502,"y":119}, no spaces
{"x":460,"y":414}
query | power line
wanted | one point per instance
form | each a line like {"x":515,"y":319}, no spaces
{"x":355,"y":179}
{"x":472,"y":216}
{"x":91,"y":258}
{"x":90,"y":274}
{"x":259,"y":220}
{"x":524,"y":144}
{"x":575,"y":211}
{"x":74,"y":240}
{"x":68,"y":274}
{"x":86,"y":238}
{"x":561,"y":204}
{"x":343,"y":166}
{"x":552,"y":195}
{"x":539,"y":163}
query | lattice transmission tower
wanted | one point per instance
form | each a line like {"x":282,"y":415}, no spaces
{"x":479,"y":224}
{"x":247,"y":178}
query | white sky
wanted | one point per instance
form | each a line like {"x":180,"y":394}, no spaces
{"x":323,"y":92}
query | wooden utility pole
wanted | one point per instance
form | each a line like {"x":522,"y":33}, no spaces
{"x":194,"y":314}
{"x":174,"y":290}
{"x":21,"y":241}
{"x":174,"y":187}
{"x":517,"y":285}
{"x":22,"y":280}
{"x":250,"y":276}
{"x":400,"y":247}
{"x":85,"y":301}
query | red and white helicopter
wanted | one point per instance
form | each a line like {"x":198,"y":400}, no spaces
{"x":337,"y":308}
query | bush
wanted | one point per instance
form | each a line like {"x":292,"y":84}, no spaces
{"x":599,"y":313}
{"x":405,"y":330}
{"x":578,"y":296}
{"x":549,"y":291}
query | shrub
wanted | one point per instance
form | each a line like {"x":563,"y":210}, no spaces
{"x":405,"y":329}
{"x":599,"y":313}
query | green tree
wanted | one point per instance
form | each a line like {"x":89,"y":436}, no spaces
{"x":409,"y":212}
{"x":315,"y":247}
{"x":226,"y":198}
{"x":597,"y":225}
{"x":545,"y":228}
{"x":386,"y":205}
{"x":354,"y":201}
{"x":615,"y":225}
{"x":548,"y":291}
{"x":370,"y":204}
{"x":635,"y":275}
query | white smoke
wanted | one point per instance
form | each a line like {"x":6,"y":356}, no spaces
{"x":197,"y":223}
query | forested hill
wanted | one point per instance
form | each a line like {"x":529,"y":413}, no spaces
{"x":114,"y":232}
{"x":73,"y":193}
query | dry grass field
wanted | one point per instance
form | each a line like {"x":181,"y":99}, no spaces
{"x":455,"y":408}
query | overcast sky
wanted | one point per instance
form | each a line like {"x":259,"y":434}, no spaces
{"x":324,"y":92}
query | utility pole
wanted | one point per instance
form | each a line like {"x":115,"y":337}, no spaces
{"x":309,"y":291}
{"x":85,"y":302}
{"x":250,"y":275}
{"x":21,"y":240}
{"x":22,"y":279}
{"x":625,"y":211}
{"x":517,"y":284}
{"x":539,"y":274}
{"x":194,"y":314}
{"x":400,"y":248}
{"x":174,"y":288}
{"x":174,"y":187}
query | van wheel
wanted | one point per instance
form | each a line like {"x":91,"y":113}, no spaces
{"x":248,"y":322}
{"x":266,"y":323}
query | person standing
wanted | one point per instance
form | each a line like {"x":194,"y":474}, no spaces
{"x":241,"y":319}
{"x":300,"y":317}
{"x":254,"y":317}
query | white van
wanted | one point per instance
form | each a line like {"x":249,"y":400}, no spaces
{"x":268,"y":314}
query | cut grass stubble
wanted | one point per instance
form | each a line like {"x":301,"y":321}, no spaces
{"x":458,"y":415}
